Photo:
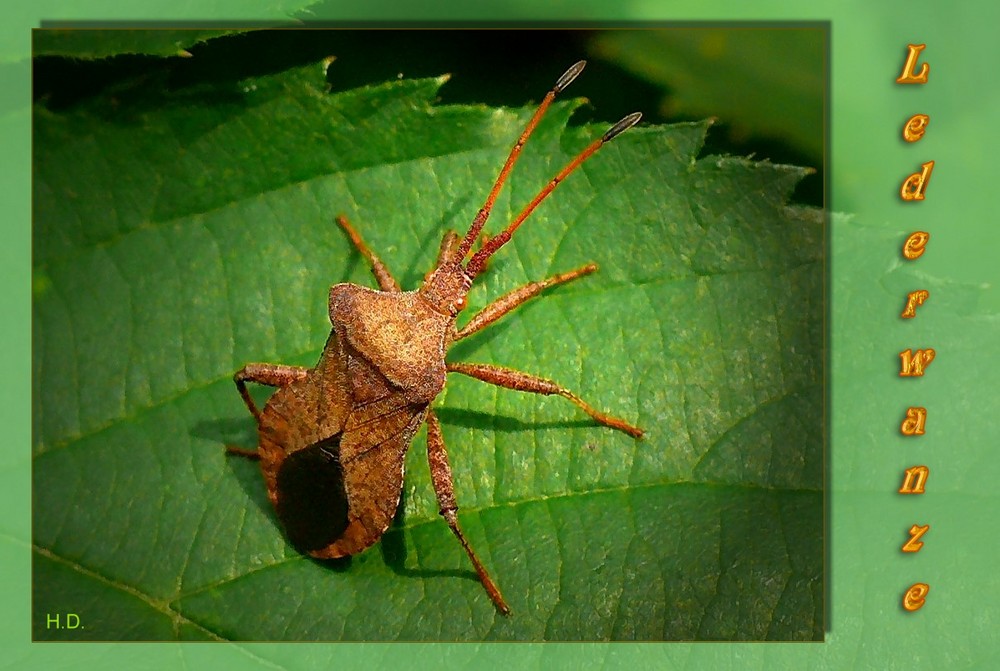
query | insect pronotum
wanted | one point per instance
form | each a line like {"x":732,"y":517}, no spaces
{"x":332,"y":439}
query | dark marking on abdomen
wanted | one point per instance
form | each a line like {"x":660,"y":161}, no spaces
{"x":312,"y":501}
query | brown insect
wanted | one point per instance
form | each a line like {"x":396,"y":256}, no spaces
{"x":332,"y":439}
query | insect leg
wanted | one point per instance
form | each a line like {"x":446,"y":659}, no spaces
{"x":271,"y":374}
{"x":508,"y":302}
{"x":386,"y":282}
{"x":449,"y":247}
{"x":518,"y":381}
{"x":437,"y":458}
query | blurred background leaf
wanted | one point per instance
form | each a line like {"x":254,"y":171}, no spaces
{"x":183,"y":227}
{"x":762,"y":83}
{"x":94,"y":44}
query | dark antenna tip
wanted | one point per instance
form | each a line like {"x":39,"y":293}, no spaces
{"x":622,"y":126}
{"x":569,"y":76}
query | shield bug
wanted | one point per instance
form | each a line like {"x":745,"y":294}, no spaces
{"x":332,"y":439}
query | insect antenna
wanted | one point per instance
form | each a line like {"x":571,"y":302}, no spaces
{"x":484,"y":212}
{"x":478,"y":260}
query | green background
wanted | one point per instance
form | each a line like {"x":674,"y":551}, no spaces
{"x":866,"y":627}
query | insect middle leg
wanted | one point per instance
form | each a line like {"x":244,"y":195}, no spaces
{"x":271,"y":374}
{"x":518,"y":381}
{"x":386,"y":281}
{"x":509,"y":301}
{"x":437,"y":458}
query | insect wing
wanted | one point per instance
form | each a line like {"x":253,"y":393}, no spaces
{"x":370,"y":454}
{"x":335,"y":479}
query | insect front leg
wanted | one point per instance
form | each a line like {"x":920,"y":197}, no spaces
{"x":271,"y":374}
{"x":509,"y":301}
{"x":451,"y":245}
{"x":385,"y":280}
{"x":437,"y":458}
{"x":518,"y":381}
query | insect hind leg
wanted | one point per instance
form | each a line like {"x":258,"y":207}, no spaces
{"x":437,"y":458}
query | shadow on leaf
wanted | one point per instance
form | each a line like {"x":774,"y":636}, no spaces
{"x":474,"y":419}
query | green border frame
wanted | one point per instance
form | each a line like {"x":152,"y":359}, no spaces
{"x":866,"y":627}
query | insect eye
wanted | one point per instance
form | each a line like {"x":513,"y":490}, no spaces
{"x":460,"y":303}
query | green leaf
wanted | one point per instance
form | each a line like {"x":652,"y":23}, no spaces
{"x":179,"y":235}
